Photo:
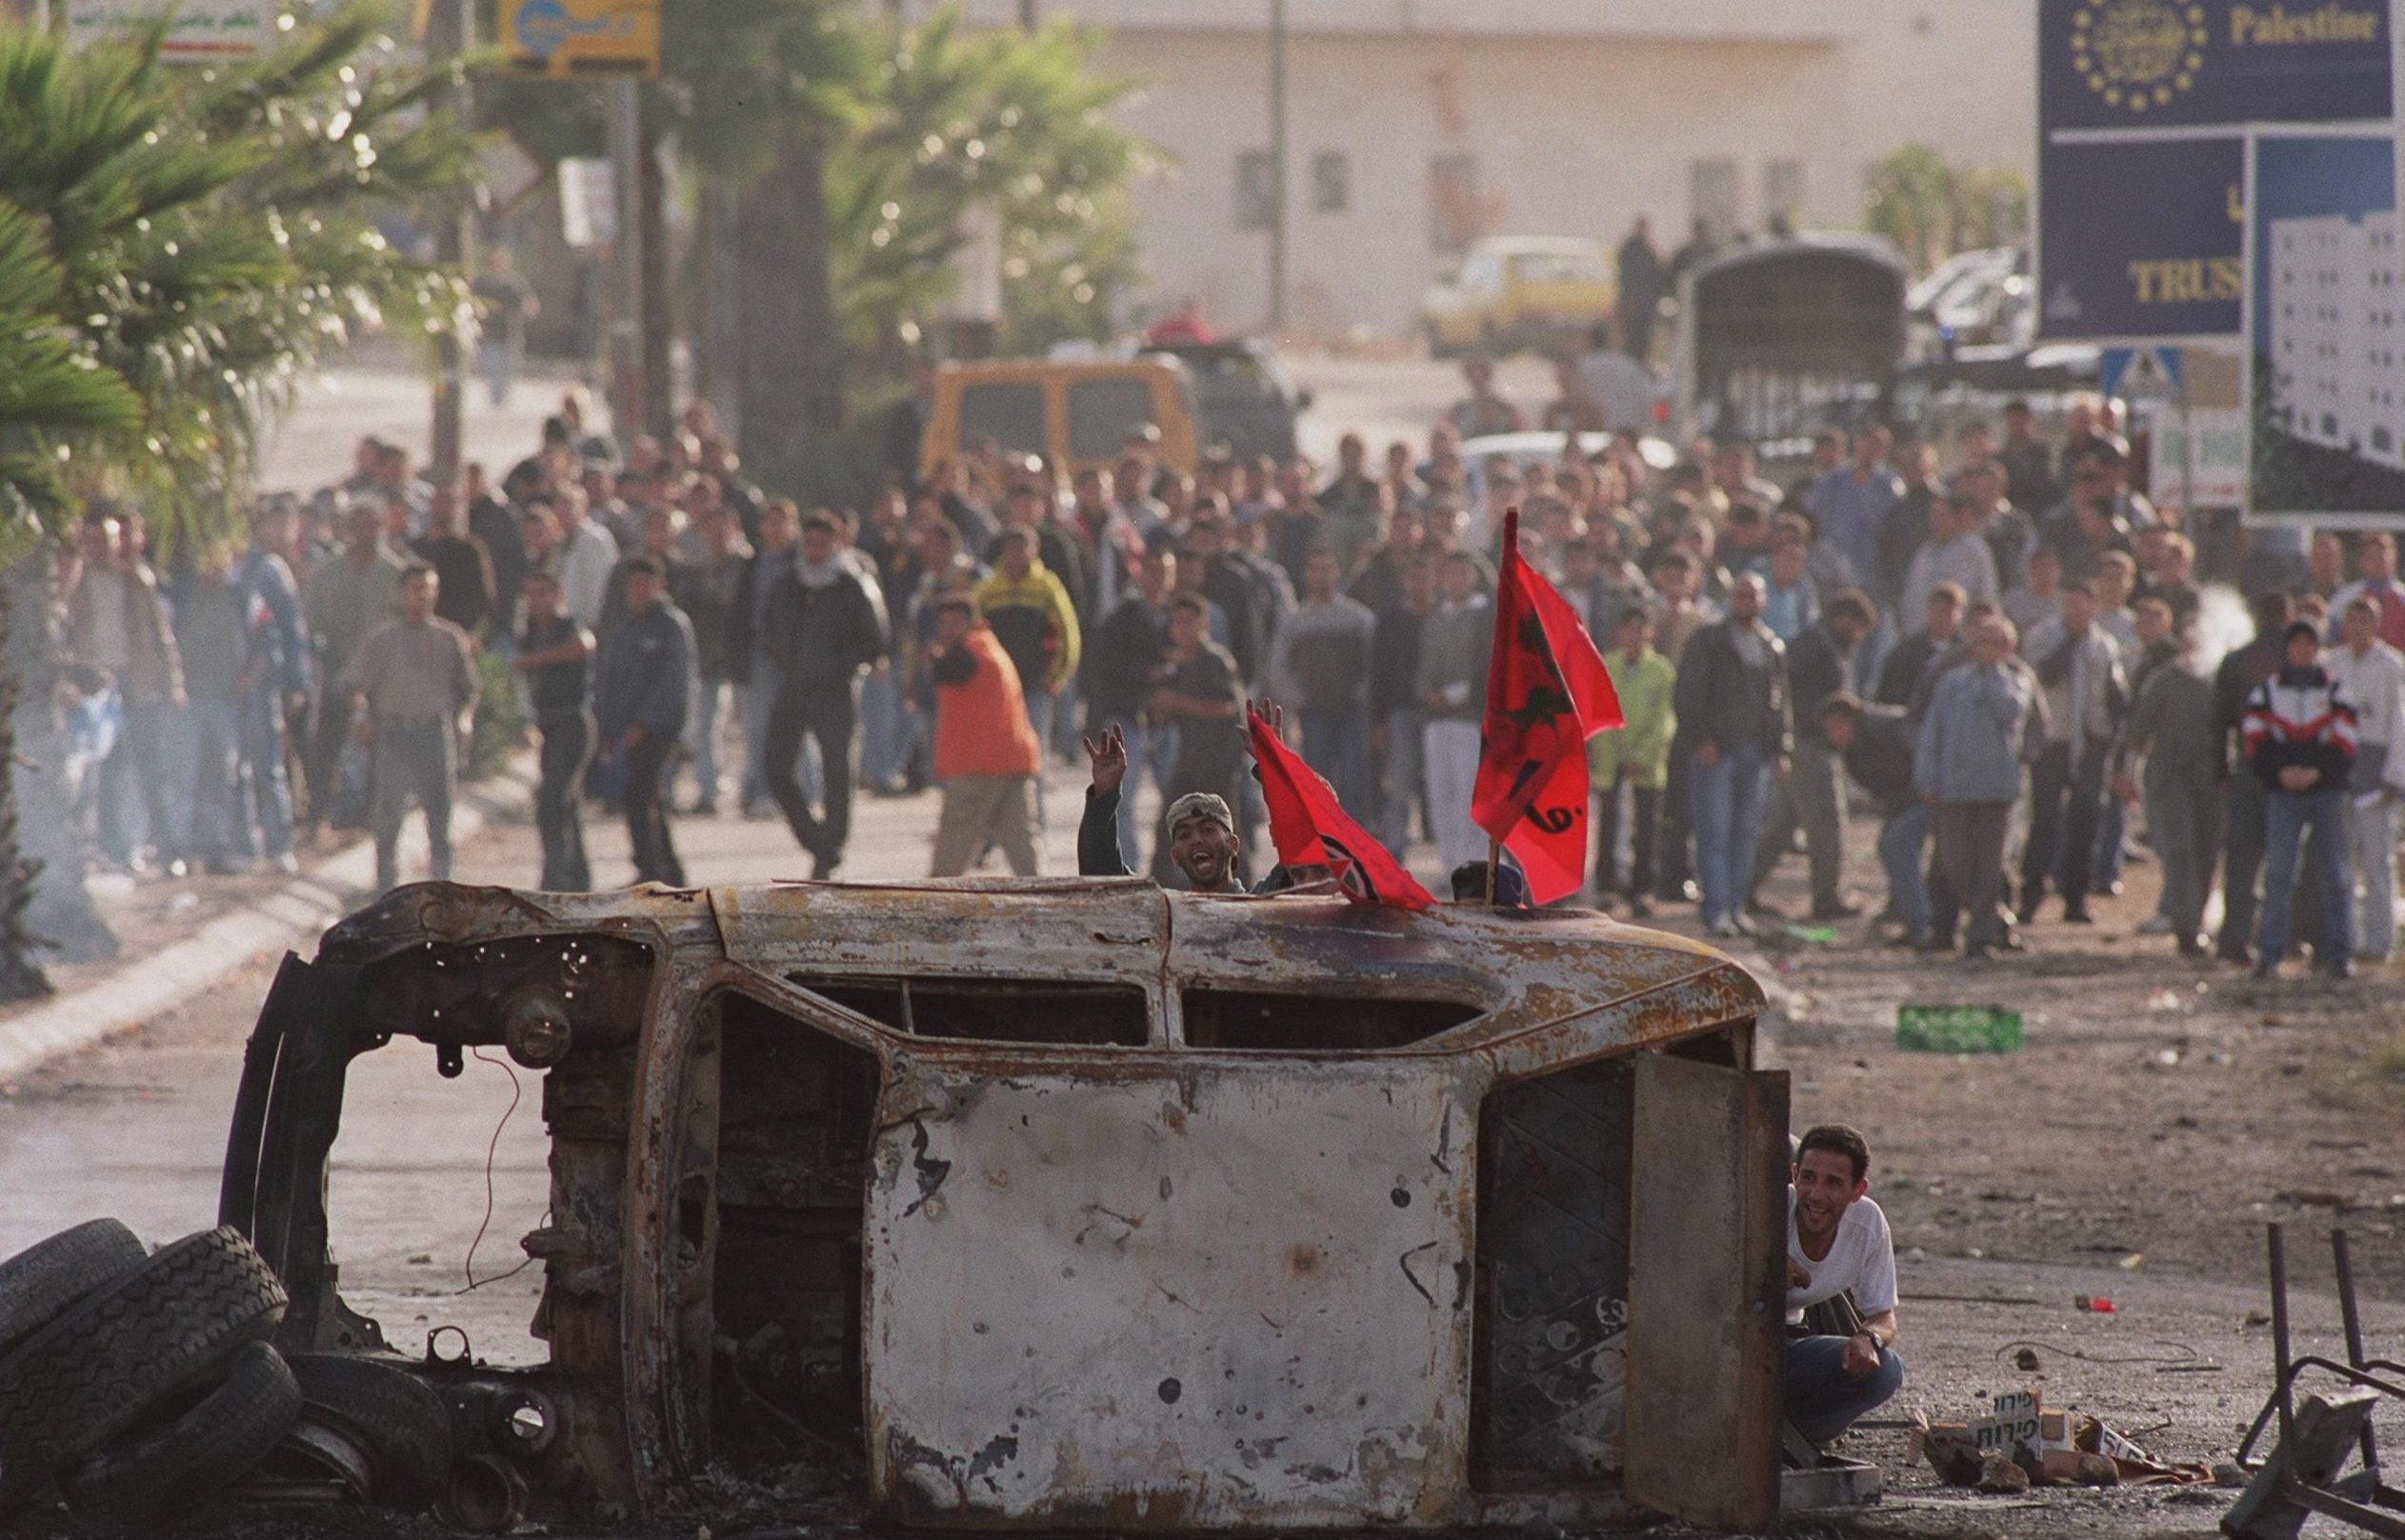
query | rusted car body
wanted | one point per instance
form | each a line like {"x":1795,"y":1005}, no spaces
{"x":1081,"y":1204}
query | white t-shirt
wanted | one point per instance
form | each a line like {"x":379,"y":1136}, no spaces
{"x":1861,"y":1258}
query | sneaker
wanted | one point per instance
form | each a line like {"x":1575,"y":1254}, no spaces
{"x":2267,"y":968}
{"x":2154,"y":925}
{"x":1844,"y":908}
{"x":2077,"y":915}
{"x":2342,"y":968}
{"x":1640,"y":907}
{"x":2192,"y":946}
{"x":287,"y":864}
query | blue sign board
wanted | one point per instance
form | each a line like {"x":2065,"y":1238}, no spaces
{"x":2132,"y":64}
{"x":2141,"y":238}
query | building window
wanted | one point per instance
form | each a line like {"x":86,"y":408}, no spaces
{"x":1256,"y":198}
{"x":1331,"y":182}
{"x":1783,"y":193}
{"x":1455,"y":216}
{"x":1712,"y":197}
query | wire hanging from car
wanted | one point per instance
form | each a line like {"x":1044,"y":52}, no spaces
{"x":492,"y":1150}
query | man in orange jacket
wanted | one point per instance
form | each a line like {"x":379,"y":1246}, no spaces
{"x":986,"y":754}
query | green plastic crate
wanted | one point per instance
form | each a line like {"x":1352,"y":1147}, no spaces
{"x":1957,"y":1028}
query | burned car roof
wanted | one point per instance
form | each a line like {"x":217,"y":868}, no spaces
{"x":1512,"y":972}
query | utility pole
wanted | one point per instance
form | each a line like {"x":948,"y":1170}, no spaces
{"x":659,"y":340}
{"x":1278,"y":165}
{"x":629,"y":372}
{"x":449,"y":30}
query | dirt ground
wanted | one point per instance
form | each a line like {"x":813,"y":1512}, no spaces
{"x":2160,"y":1113}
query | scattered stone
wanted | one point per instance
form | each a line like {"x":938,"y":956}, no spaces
{"x":2000,"y":1474}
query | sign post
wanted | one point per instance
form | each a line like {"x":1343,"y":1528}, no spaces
{"x":581,"y":39}
{"x":203,"y":31}
{"x":2147,"y":110}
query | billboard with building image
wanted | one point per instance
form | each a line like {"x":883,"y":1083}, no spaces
{"x":2325,"y":327}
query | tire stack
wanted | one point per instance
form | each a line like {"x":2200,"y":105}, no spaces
{"x":137,"y":1384}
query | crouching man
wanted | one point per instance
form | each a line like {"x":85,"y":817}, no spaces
{"x":1837,"y":1242}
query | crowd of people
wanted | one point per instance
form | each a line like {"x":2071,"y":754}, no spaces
{"x":2011,"y":653}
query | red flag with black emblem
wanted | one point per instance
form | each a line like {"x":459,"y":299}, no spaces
{"x":1547,"y":694}
{"x":1310,"y":829}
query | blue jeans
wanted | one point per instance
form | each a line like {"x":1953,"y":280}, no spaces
{"x":1822,"y":1400}
{"x":1728,"y":797}
{"x":217,"y":810}
{"x":2286,"y":820}
{"x":1336,"y":743}
{"x":1041,"y":707}
{"x":1399,"y":779}
{"x":265,"y":788}
{"x":883,"y":735}
{"x":701,"y":738}
{"x":1903,"y":843}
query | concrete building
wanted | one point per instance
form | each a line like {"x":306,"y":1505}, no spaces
{"x":1415,"y":125}
{"x":2339,"y":334}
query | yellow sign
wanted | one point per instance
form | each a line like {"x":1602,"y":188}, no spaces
{"x":582,"y":39}
{"x":2138,"y":53}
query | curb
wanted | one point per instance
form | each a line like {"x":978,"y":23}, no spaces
{"x":141,"y":988}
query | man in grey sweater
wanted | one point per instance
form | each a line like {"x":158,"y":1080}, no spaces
{"x":412,"y":683}
{"x":1320,"y":668}
{"x":1967,"y":766}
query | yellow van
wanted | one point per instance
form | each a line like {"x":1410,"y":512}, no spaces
{"x":1517,"y":291}
{"x":1080,"y":413}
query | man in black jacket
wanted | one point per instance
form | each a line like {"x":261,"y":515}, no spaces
{"x":2246,"y":807}
{"x":823,"y":624}
{"x":1812,"y":794}
{"x":642,"y":684}
{"x":1732,"y":708}
{"x":1116,"y":675}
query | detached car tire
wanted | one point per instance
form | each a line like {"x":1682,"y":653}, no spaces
{"x":40,"y":1282}
{"x":397,"y":1420}
{"x":141,"y":1484}
{"x":119,"y":1353}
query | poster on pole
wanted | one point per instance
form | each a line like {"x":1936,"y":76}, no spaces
{"x":201,"y":31}
{"x":581,"y":39}
{"x":2141,"y":240}
{"x":2325,"y":328}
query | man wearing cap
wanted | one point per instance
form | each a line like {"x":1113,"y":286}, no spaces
{"x":1202,"y":830}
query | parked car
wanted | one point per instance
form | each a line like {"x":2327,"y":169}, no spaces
{"x":1077,"y":1206}
{"x":1519,"y":292}
{"x":1079,"y":412}
{"x":1982,"y":299}
{"x":1247,"y":400}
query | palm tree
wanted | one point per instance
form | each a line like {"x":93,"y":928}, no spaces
{"x":177,"y":250}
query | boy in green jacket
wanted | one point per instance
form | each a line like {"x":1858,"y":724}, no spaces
{"x":1638,"y":753}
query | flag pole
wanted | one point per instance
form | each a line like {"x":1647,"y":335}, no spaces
{"x":1511,"y":548}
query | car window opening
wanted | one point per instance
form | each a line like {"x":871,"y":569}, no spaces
{"x":1251,"y":1021}
{"x":795,"y":1109}
{"x":1045,"y":1013}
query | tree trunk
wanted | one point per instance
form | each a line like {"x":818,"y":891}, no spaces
{"x":21,"y":974}
{"x":789,"y":371}
{"x":718,"y":306}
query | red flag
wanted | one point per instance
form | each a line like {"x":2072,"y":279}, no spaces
{"x":1547,"y":694}
{"x":1309,"y":828}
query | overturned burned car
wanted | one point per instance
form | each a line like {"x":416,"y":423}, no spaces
{"x":1080,"y":1205}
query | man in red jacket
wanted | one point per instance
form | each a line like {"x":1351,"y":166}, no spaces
{"x":986,"y":754}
